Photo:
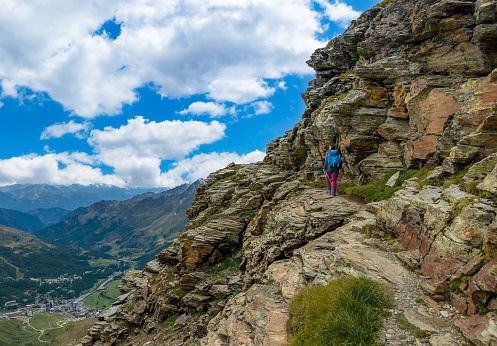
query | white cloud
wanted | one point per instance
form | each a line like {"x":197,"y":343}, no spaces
{"x":62,"y":169}
{"x":200,"y":166}
{"x":282,"y":85}
{"x":339,"y":12}
{"x":135,"y":150}
{"x":239,"y":91}
{"x":9,"y":89}
{"x":258,"y":108}
{"x":227,"y":49}
{"x":1,"y":104}
{"x":262,"y":107}
{"x":58,"y":130}
{"x":212,"y":109}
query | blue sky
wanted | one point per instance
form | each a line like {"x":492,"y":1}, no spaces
{"x":141,"y":93}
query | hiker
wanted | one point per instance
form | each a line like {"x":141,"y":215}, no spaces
{"x":331,"y":168}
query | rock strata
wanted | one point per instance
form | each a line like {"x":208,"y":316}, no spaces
{"x":409,"y":85}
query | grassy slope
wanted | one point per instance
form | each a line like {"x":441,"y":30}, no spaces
{"x":14,"y":332}
{"x":45,"y":321}
{"x":104,"y":299}
{"x":75,"y":332}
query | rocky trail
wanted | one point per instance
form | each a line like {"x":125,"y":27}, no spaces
{"x":346,"y":250}
{"x":411,"y":86}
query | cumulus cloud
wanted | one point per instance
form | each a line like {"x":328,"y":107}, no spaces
{"x":199,"y":166}
{"x":212,"y":109}
{"x":258,"y":108}
{"x":339,"y":12}
{"x":262,"y":107}
{"x":136,"y":150}
{"x":228,"y":50}
{"x":80,"y":130}
{"x":62,"y":169}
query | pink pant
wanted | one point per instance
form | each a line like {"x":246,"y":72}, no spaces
{"x":331,"y":178}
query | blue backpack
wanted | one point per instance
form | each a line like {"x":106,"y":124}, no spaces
{"x":333,"y":159}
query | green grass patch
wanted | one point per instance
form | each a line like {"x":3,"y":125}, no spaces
{"x":102,"y":262}
{"x":97,"y":301}
{"x":104,"y":299}
{"x":460,"y":205}
{"x":44,"y":321}
{"x":169,"y":322}
{"x":228,"y":263}
{"x":347,"y":311}
{"x":455,"y":179}
{"x":385,"y":3}
{"x":70,"y":334}
{"x":256,"y":187}
{"x":377,"y":190}
{"x":51,"y":334}
{"x":14,"y":332}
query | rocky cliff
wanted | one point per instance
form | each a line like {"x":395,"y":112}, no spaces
{"x":409,"y":85}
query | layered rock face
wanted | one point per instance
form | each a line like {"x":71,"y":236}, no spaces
{"x":401,"y":87}
{"x":409,"y":84}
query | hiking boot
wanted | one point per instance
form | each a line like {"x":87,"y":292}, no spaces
{"x":334,"y":193}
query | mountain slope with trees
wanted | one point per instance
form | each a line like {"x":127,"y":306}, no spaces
{"x":19,"y":220}
{"x":26,"y":261}
{"x":143,"y":224}
{"x":26,"y":197}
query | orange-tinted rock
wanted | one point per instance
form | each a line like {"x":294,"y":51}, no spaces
{"x":398,"y":112}
{"x":422,"y":147}
{"x":435,"y":286}
{"x":469,"y":268}
{"x":439,"y":107}
{"x":436,"y":266}
{"x":481,"y":330}
{"x":486,"y":279}
{"x":459,"y":302}
{"x":414,"y":234}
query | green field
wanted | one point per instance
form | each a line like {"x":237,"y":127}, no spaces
{"x":75,"y":332}
{"x":102,"y":262}
{"x":104,"y":299}
{"x":51,"y":334}
{"x":46,"y":321}
{"x":15,"y":332}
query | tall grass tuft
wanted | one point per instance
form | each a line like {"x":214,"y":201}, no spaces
{"x":377,"y":190}
{"x":347,"y":311}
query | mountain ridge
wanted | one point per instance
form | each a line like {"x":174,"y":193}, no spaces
{"x":19,"y":220}
{"x":26,"y":197}
{"x":131,"y":227}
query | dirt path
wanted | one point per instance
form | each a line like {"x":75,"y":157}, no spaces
{"x":60,"y":324}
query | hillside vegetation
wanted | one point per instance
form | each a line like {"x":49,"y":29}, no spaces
{"x":23,"y":257}
{"x":131,"y":228}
